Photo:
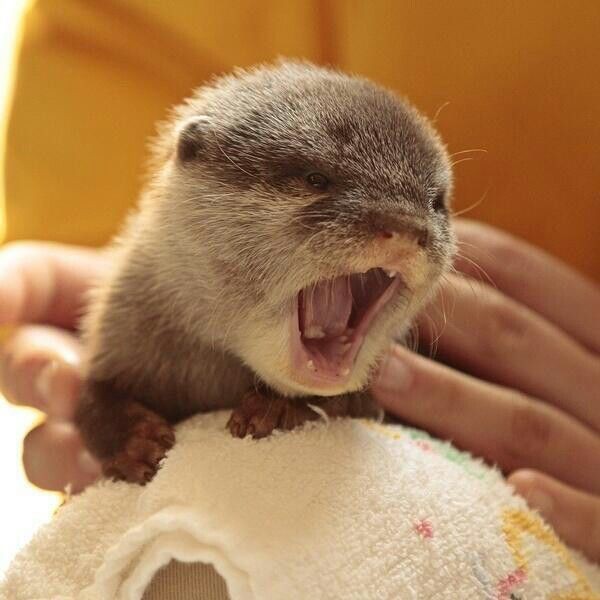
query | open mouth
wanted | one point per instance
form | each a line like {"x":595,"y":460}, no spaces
{"x":334,"y":317}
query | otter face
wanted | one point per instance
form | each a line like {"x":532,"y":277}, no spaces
{"x":317,"y":204}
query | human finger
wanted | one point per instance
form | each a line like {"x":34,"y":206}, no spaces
{"x":499,"y":424}
{"x":532,"y":277}
{"x":40,"y":367}
{"x":46,"y":283}
{"x":493,"y":337}
{"x":574,"y":514}
{"x":54,"y":458}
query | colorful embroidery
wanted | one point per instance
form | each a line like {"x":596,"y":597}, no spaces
{"x":481,"y":574}
{"x":472,"y":466}
{"x":424,"y":529}
{"x":390,"y":432}
{"x":424,"y":445}
{"x":509,"y":583}
{"x":517,"y":523}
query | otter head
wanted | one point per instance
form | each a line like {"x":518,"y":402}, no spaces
{"x":308,"y":214}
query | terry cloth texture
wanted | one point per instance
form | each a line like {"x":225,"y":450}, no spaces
{"x":347,"y":510}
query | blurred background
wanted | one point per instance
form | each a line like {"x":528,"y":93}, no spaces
{"x":23,"y":508}
{"x":513,"y":87}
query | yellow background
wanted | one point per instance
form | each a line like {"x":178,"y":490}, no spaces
{"x":517,"y":79}
{"x":23,"y":508}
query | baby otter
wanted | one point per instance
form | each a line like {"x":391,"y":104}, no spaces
{"x":296,"y":219}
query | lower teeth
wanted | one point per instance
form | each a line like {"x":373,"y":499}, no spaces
{"x":314,"y":333}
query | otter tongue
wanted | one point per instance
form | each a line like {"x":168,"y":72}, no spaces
{"x":326,"y":309}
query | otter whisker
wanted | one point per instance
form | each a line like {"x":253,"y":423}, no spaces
{"x":461,"y":160}
{"x":483,"y":150}
{"x":238,"y":249}
{"x":471,"y":206}
{"x":479,"y":270}
{"x":439,"y":110}
{"x":476,"y":248}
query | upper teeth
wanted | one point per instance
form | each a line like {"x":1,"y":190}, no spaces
{"x":390,"y":273}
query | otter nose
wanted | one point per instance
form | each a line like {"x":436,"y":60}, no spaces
{"x":387,"y":229}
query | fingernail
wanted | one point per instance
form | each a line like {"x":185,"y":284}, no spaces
{"x":541,"y":501}
{"x":58,"y":387}
{"x":394,"y":375}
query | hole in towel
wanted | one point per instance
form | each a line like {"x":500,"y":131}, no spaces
{"x":192,"y":581}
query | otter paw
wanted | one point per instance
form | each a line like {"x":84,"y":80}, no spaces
{"x":258,"y":415}
{"x":147,"y":443}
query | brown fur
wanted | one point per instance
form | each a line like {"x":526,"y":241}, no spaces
{"x":205,"y":274}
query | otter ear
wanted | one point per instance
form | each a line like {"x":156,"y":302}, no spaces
{"x":191,"y":136}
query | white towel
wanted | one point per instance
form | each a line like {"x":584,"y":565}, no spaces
{"x":346,"y":509}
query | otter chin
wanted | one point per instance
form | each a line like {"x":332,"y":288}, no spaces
{"x":337,"y":328}
{"x":295,"y":221}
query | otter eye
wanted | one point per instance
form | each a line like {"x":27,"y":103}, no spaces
{"x":439,"y":202}
{"x":317,"y":180}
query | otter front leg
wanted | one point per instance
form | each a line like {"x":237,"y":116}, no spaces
{"x":261,"y":412}
{"x":129,"y":439}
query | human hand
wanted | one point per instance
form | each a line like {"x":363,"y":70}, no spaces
{"x":42,"y":290}
{"x":521,"y":381}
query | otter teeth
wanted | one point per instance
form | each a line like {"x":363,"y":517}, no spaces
{"x":391,"y":274}
{"x":310,"y":365}
{"x":345,"y":372}
{"x":314,"y":332}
